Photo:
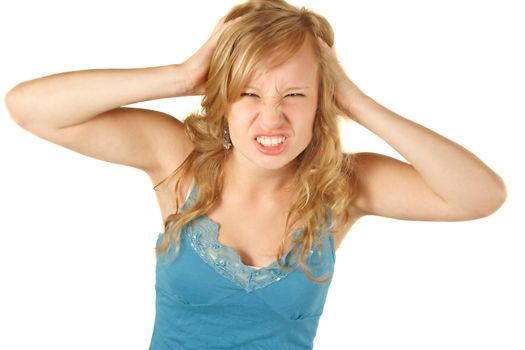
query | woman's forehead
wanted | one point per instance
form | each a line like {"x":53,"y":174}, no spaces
{"x":300,"y":70}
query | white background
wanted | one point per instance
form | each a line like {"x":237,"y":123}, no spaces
{"x":78,"y":234}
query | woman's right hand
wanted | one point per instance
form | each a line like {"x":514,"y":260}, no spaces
{"x":197,"y":66}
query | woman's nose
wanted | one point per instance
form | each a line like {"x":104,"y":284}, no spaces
{"x":271,"y":115}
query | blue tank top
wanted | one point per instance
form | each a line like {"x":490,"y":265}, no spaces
{"x":206,"y":298}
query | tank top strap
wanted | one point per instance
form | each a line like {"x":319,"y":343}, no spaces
{"x":191,"y":196}
{"x":190,"y":188}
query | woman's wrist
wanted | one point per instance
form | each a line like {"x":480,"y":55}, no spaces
{"x":180,"y":81}
{"x":349,"y":97}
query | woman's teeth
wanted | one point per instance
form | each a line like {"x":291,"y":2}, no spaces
{"x":270,"y":141}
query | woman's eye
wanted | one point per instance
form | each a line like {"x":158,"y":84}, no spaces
{"x":294,"y":94}
{"x":248,"y":94}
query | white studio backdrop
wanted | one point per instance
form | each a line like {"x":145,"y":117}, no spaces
{"x":77,"y":234}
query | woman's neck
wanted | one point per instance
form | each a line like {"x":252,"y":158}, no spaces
{"x":247,"y":179}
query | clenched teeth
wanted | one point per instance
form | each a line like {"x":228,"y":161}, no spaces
{"x":270,"y":141}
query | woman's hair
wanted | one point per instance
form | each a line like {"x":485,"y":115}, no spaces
{"x":269,"y":32}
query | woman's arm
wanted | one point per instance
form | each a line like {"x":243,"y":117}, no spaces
{"x":443,"y":182}
{"x":82,"y":111}
{"x":71,"y":98}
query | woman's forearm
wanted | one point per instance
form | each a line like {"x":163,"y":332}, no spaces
{"x":451,"y":171}
{"x":70,"y":98}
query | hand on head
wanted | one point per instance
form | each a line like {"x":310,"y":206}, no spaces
{"x":196,"y":67}
{"x":346,"y":90}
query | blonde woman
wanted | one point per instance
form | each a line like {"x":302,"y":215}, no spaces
{"x":255,"y":192}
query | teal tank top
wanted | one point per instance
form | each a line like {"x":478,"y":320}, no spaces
{"x":206,"y":298}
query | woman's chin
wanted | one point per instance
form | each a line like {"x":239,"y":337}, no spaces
{"x":268,"y":160}
{"x":274,"y":163}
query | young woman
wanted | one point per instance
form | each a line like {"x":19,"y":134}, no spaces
{"x":255,"y":192}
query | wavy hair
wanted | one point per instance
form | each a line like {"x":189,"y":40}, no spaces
{"x":269,"y":29}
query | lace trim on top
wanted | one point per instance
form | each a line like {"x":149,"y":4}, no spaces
{"x":202,"y":233}
{"x":203,"y":237}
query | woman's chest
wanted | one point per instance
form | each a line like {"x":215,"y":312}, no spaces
{"x":254,"y":233}
{"x":204,"y":274}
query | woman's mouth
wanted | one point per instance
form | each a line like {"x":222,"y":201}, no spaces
{"x":270,"y":141}
{"x":271,"y":145}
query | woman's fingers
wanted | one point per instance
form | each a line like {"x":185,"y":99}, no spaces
{"x":345,"y":87}
{"x":198,"y":64}
{"x":218,"y":26}
{"x":330,"y":50}
{"x":322,"y":43}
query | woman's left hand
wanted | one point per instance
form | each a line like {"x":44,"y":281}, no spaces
{"x":346,"y":91}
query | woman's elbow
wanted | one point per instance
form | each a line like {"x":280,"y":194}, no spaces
{"x":496,"y":197}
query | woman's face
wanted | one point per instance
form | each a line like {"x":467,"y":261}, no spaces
{"x":271,"y":123}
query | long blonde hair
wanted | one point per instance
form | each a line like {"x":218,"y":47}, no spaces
{"x":325,"y":175}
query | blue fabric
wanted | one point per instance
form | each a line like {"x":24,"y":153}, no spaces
{"x":206,"y":298}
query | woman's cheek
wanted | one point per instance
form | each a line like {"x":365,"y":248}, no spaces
{"x":298,"y":110}
{"x":251,"y":108}
{"x":246,"y":108}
